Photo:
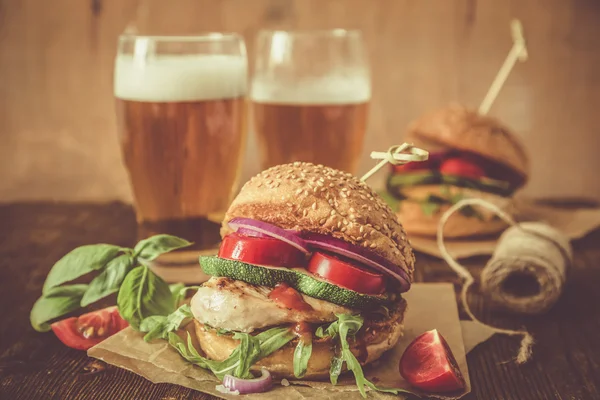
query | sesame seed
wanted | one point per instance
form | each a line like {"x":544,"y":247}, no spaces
{"x":373,"y":245}
{"x":369,"y":208}
{"x":322,"y":221}
{"x":377,"y":228}
{"x":362,"y":229}
{"x":352,"y":210}
{"x":363,"y":197}
{"x":343,"y":194}
{"x":314,"y":205}
{"x":332,"y":213}
{"x":386,"y":226}
{"x":316,"y":189}
{"x":345,"y":221}
{"x":298,"y":192}
{"x":331,"y":185}
{"x":383,"y":216}
{"x":306,"y":192}
{"x":344,"y":229}
{"x":366,"y":243}
{"x":323,"y":189}
{"x":339,"y":224}
{"x":321,"y":179}
{"x":305,"y":213}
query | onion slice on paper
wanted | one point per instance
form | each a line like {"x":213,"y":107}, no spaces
{"x":290,"y":237}
{"x":358,"y":253}
{"x":257,"y":385}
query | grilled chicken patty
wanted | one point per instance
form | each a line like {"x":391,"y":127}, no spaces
{"x":236,"y":305}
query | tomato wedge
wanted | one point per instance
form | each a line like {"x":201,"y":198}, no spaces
{"x":88,"y":330}
{"x":428,"y":364}
{"x":261,"y":251}
{"x":344,"y":274}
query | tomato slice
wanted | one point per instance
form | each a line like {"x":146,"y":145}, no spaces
{"x":88,"y":330}
{"x":462,"y":167}
{"x":428,"y":364}
{"x":261,"y":251}
{"x":344,"y":274}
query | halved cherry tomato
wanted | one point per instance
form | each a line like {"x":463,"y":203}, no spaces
{"x":88,"y":330}
{"x":344,"y":274}
{"x":428,"y":364}
{"x":261,"y":251}
{"x":462,"y":167}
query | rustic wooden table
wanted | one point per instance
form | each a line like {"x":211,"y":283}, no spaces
{"x":566,"y":362}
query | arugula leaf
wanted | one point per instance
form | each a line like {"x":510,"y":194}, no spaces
{"x":336,"y":369}
{"x":302,"y":354}
{"x":179,"y":292}
{"x":55,"y":303}
{"x":143,"y":294}
{"x":150,"y":323}
{"x":109,"y":281}
{"x":149,"y":249}
{"x":247,"y":353}
{"x":349,"y":325}
{"x":79,"y":262}
{"x":273,"y":339}
{"x":320,"y":332}
{"x":160,"y":326}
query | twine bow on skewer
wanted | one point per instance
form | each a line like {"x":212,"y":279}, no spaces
{"x":396,"y":155}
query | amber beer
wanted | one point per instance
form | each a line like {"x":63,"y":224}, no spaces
{"x":325,"y":125}
{"x":182,"y":129}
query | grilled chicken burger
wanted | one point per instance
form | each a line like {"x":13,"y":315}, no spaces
{"x":470,"y":155}
{"x":313,"y":252}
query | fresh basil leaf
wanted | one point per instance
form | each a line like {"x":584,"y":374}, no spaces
{"x":109,"y":281}
{"x":336,"y":369}
{"x":143,"y":294}
{"x":223,"y":332}
{"x":79,"y":262}
{"x":302,"y":354}
{"x":273,"y":339}
{"x":55,"y":303}
{"x":149,"y":249}
{"x":167,"y":324}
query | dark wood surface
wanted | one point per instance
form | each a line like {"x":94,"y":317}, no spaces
{"x":566,"y":363}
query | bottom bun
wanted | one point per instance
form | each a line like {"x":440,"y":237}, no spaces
{"x":373,"y":339}
{"x":415,"y":222}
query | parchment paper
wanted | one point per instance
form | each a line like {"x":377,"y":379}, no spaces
{"x":430,"y":305}
{"x":575,"y":223}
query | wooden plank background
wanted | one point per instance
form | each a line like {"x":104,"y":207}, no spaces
{"x":57,"y":126}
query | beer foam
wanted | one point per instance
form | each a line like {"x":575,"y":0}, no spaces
{"x":329,"y":90}
{"x":169,"y":78}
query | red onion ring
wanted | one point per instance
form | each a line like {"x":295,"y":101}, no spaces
{"x":257,"y":385}
{"x":265,"y":228}
{"x":358,"y":253}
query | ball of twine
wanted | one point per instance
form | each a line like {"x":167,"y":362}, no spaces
{"x":531,"y":251}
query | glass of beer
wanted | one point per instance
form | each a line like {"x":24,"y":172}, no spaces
{"x":310,"y":94}
{"x":181,"y":117}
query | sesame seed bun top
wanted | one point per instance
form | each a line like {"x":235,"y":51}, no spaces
{"x":307,"y":197}
{"x":459,"y":128}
